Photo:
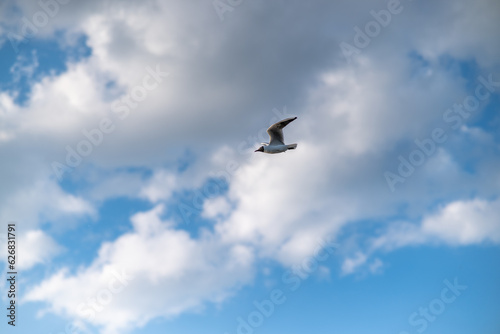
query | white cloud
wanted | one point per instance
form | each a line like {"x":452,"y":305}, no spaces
{"x":277,"y":199}
{"x":159,"y":187}
{"x":351,"y":264}
{"x":171,"y":273}
{"x":465,"y":222}
{"x":62,"y":106}
{"x":43,"y":202}
{"x":216,"y":207}
{"x":36,"y":247}
{"x":457,"y":223}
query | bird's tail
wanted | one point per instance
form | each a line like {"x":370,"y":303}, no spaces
{"x":291,"y":146}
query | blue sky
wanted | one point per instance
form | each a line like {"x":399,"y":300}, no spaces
{"x":127,"y":135}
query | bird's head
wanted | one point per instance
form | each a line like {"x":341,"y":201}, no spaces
{"x":260,"y":149}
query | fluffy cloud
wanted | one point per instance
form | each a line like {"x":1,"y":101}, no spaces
{"x":159,"y":187}
{"x":44,"y":202}
{"x":457,"y":223}
{"x":155,"y":270}
{"x":351,"y":264}
{"x":37,"y":247}
{"x":216,"y":207}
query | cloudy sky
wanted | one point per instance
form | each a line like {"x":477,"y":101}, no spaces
{"x":126,"y":141}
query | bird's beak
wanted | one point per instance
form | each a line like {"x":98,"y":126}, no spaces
{"x":256,"y":151}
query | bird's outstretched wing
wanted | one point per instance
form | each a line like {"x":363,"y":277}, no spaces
{"x":275,"y":131}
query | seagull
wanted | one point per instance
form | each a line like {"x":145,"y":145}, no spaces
{"x":276,"y":142}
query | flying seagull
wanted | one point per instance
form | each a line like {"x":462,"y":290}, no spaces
{"x":276,"y":142}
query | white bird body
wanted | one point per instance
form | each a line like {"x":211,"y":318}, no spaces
{"x":273,"y":149}
{"x":276,"y":140}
